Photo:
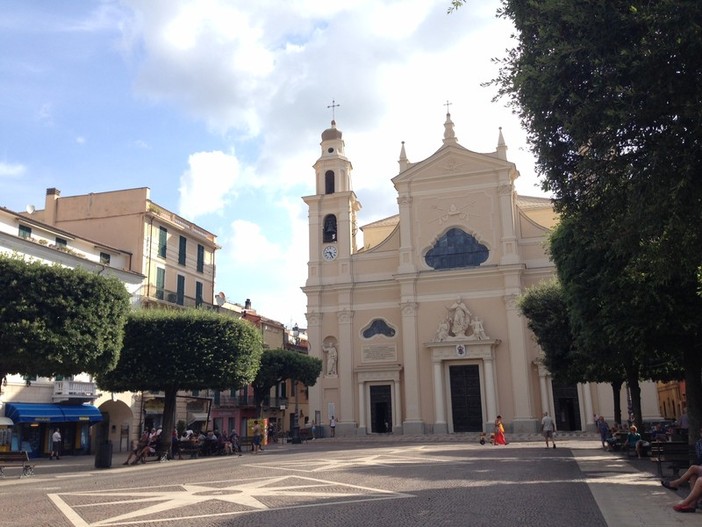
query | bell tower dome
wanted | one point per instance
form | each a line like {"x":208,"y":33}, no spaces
{"x":333,"y":168}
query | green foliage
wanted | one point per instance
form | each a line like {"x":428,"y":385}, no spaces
{"x":184,"y":350}
{"x":610,"y":93}
{"x":58,"y":321}
{"x":278,"y":365}
{"x":172,"y":350}
{"x":545,"y":308}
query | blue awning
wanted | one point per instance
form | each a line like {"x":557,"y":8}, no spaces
{"x":81,"y":413}
{"x":52,"y":413}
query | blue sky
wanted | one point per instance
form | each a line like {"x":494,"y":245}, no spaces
{"x":218,"y":107}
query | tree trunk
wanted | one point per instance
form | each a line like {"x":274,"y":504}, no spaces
{"x":635,"y":392}
{"x":169,"y":406}
{"x":616,"y":399}
{"x":693,"y":390}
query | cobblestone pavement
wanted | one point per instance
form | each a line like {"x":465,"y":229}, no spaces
{"x":390,"y":480}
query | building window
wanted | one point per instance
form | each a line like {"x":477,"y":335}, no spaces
{"x":200,"y":258}
{"x":329,"y":234}
{"x":60,"y":242}
{"x":160,"y":283}
{"x":105,"y":258}
{"x":198,"y":294}
{"x":378,"y":327}
{"x":162,"y":241}
{"x":180,"y":293}
{"x":456,"y":249}
{"x":182,"y":245}
{"x":196,"y":393}
{"x":329,"y":182}
{"x":25,"y":232}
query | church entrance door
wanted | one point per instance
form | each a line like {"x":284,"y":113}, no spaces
{"x":566,"y":406}
{"x":466,"y":403}
{"x":381,"y":409}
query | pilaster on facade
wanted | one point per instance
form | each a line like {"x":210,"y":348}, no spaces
{"x":524,"y":419}
{"x":346,"y":419}
{"x":406,"y":253}
{"x":413,"y":423}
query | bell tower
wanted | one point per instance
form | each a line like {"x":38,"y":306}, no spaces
{"x":333,"y":209}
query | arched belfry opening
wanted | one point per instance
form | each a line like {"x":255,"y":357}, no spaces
{"x":329,"y":233}
{"x":329,"y":182}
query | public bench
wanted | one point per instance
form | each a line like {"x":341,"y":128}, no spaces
{"x":676,"y":455}
{"x":16,"y":459}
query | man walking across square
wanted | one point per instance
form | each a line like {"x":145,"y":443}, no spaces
{"x":548,"y":427}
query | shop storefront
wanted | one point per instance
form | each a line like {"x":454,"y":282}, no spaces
{"x":34,"y":423}
{"x":6,"y":425}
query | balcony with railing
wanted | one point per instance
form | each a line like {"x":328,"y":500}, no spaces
{"x":166,"y":297}
{"x":237,"y":401}
{"x":75,"y":391}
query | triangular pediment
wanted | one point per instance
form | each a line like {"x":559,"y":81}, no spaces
{"x":452,"y":161}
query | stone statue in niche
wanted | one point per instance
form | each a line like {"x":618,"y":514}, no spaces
{"x":332,"y":359}
{"x":460,"y":324}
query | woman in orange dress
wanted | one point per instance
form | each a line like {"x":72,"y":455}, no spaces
{"x":499,"y":432}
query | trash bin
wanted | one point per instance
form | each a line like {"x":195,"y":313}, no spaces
{"x":103,"y":456}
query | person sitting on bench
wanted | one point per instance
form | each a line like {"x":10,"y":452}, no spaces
{"x":692,"y":475}
{"x":634,"y":441}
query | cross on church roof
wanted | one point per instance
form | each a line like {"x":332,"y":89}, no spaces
{"x":447,"y":104}
{"x":333,"y":106}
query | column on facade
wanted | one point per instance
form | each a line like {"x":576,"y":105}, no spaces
{"x":412,"y":422}
{"x":315,"y":393}
{"x":524,"y":419}
{"x":507,"y":220}
{"x":406,"y":253}
{"x":490,"y":388}
{"x":440,"y":424}
{"x":543,"y":388}
{"x":587,"y":402}
{"x":362,"y":425}
{"x":397,"y":405}
{"x":345,"y":371}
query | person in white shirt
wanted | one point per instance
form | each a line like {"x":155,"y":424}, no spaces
{"x":548,"y":427}
{"x":55,"y":444}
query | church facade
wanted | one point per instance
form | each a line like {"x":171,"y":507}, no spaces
{"x":418,"y":325}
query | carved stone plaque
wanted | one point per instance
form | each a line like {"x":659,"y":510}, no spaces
{"x":379,"y":353}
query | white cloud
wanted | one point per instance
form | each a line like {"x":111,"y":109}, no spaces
{"x":80,"y":140}
{"x":262,"y":75}
{"x":208,"y":183}
{"x":12,"y":170}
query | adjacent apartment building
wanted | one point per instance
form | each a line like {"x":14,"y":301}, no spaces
{"x":31,"y":407}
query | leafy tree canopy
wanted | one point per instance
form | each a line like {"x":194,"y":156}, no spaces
{"x":184,"y":350}
{"x":58,"y":321}
{"x":278,"y":365}
{"x":172,"y":350}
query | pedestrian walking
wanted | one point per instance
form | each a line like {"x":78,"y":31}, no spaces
{"x":55,"y":444}
{"x":603,"y":429}
{"x":548,"y":428}
{"x":257,"y":438}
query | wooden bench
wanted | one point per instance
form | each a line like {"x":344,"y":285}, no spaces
{"x":16,"y":459}
{"x":676,"y":455}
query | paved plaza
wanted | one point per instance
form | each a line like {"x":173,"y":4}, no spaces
{"x":389,"y":481}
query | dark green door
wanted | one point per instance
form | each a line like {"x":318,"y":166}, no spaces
{"x":466,"y":404}
{"x":381,"y":409}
